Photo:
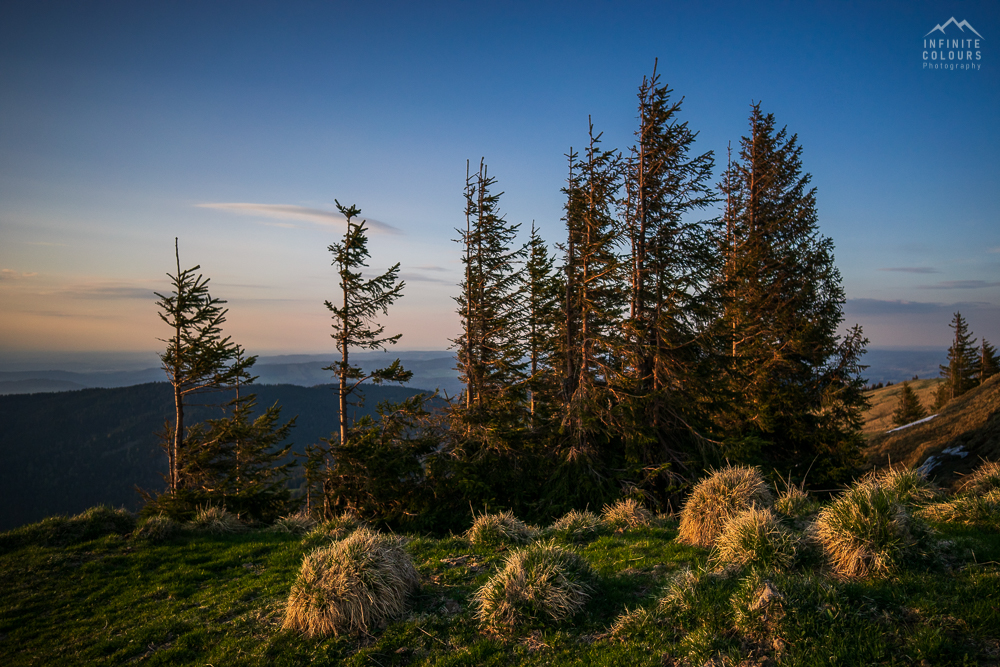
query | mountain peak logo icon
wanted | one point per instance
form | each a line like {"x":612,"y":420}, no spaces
{"x":961,"y":26}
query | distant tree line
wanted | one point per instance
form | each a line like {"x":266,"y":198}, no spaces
{"x":657,"y":341}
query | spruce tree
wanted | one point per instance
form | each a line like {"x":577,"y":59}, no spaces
{"x":795,"y":385}
{"x":540,"y":289}
{"x":909,"y":409}
{"x":354,"y":317}
{"x":989,"y":362}
{"x":198,"y":358}
{"x":961,"y":372}
{"x":672,"y":261}
{"x":491,"y":347}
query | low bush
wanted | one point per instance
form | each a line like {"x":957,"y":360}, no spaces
{"x":539,"y":582}
{"x":756,"y":539}
{"x":352,"y":585}
{"x":717,"y":498}
{"x":498,"y":529}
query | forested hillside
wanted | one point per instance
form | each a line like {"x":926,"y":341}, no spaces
{"x":63,"y":452}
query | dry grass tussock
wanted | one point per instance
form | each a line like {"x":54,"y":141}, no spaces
{"x":983,"y":479}
{"x":577,"y":525}
{"x":719,"y":497}
{"x":156,"y":528}
{"x":967,"y":509}
{"x":755,"y":538}
{"x":294,"y":524}
{"x":541,"y":582}
{"x":500,"y":529}
{"x":909,"y":485}
{"x":215,"y":520}
{"x":795,"y":503}
{"x":626,"y":513}
{"x":352,"y":585}
{"x":334,"y":529}
{"x":866,"y":531}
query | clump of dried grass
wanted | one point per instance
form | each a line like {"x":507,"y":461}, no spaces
{"x":577,"y":526}
{"x":351,"y":585}
{"x":681,"y":593}
{"x":795,"y":503}
{"x":502,"y":528}
{"x":983,"y":479}
{"x":866,"y":531}
{"x":156,"y":528}
{"x":541,"y":581}
{"x":909,"y":485}
{"x":337,"y":528}
{"x":215,"y":520}
{"x":755,"y":538}
{"x":294,"y":524}
{"x":719,"y":497}
{"x":969,"y":509}
{"x":626,"y":513}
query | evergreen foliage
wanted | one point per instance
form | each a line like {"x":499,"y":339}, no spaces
{"x":796,"y":386}
{"x":197,"y":358}
{"x":961,"y":371}
{"x":909,"y":409}
{"x":989,"y":362}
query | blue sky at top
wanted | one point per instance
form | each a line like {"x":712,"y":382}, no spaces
{"x":124,"y":124}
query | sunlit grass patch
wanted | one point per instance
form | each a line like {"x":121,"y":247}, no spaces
{"x":983,"y":479}
{"x":717,"y":498}
{"x":502,"y":528}
{"x":909,"y":485}
{"x":156,"y":528}
{"x":294,"y":524}
{"x":539,"y":582}
{"x":215,"y":520}
{"x":358,"y":583}
{"x":756,"y":539}
{"x":626,"y":513}
{"x":970,"y":509}
{"x":796,"y":503}
{"x":576,"y":526}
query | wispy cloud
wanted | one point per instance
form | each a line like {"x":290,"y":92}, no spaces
{"x":315,"y":216}
{"x":11,"y":274}
{"x":961,"y":284}
{"x":108,"y":291}
{"x":911,"y":269}
{"x":885,"y":307}
{"x":420,"y":278}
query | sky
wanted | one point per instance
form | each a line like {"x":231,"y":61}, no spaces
{"x":235,"y":126}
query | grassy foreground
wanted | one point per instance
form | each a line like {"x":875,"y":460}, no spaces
{"x":72,"y":598}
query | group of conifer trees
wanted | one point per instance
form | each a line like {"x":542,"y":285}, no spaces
{"x":658,"y":341}
{"x":968,"y":365}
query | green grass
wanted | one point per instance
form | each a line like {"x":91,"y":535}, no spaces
{"x":217,"y":599}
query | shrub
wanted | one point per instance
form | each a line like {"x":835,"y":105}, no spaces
{"x":294,"y":524}
{"x":983,"y":479}
{"x":539,"y":582}
{"x":717,"y":498}
{"x":755,"y":538}
{"x":968,"y":509}
{"x":156,"y":528}
{"x":866,"y":531}
{"x":626,"y":513}
{"x":215,"y":520}
{"x":909,"y":485}
{"x":351,"y":585}
{"x":499,"y":529}
{"x":577,"y":526}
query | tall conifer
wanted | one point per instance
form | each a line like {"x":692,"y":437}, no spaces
{"x":960,"y":373}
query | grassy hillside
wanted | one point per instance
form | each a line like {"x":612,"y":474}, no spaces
{"x":970,"y":422}
{"x":878,"y":418}
{"x":87,"y":594}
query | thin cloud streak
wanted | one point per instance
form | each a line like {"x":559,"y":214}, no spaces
{"x":911,"y":269}
{"x":315,"y":216}
{"x":961,"y":284}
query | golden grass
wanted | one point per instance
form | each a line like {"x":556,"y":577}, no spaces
{"x":295,"y":524}
{"x":795,"y":503}
{"x":156,"y":528}
{"x":982,"y":510}
{"x":624,"y":514}
{"x":541,"y":582}
{"x":983,"y":479}
{"x":501,"y":528}
{"x":215,"y":520}
{"x":909,"y":485}
{"x":577,"y":525}
{"x":755,"y":538}
{"x":719,"y":497}
{"x":352,"y":585}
